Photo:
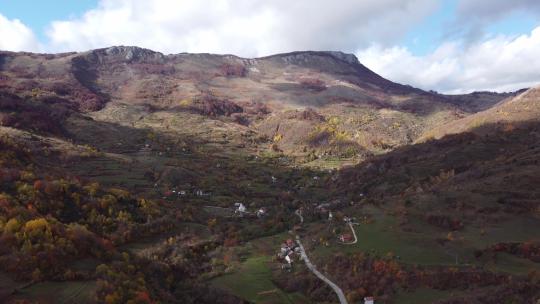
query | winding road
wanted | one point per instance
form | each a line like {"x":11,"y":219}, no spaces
{"x":309,"y":265}
{"x":321,"y":276}
{"x":312,"y":268}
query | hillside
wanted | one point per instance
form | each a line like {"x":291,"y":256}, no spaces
{"x":120,"y":169}
{"x":479,"y":101}
{"x":504,"y":115}
{"x":351,"y":111}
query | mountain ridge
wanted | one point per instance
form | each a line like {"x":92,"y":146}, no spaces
{"x":361,"y":110}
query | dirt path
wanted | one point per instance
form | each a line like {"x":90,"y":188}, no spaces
{"x":299,"y":214}
{"x":311,"y":267}
{"x":354,"y":234}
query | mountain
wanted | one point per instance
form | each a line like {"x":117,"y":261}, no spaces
{"x":120,"y":170}
{"x":334,"y":104}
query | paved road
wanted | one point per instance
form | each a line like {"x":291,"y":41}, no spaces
{"x":311,"y":267}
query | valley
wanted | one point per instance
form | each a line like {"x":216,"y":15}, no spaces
{"x":120,"y":169}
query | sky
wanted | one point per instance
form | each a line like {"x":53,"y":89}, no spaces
{"x":450,"y":46}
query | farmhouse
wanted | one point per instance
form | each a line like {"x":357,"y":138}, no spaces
{"x":240,"y":208}
{"x":346,"y":238}
{"x":261,"y":212}
{"x":287,"y":251}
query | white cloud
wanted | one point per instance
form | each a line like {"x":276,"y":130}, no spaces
{"x":476,"y":10}
{"x":473,"y":16}
{"x":242,"y":27}
{"x":15,"y":36}
{"x":500,"y":63}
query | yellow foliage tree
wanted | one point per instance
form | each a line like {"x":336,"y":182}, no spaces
{"x":37,"y":224}
{"x":13,"y":225}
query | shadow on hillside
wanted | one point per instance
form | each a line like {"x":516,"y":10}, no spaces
{"x":495,"y":161}
{"x":157,"y":162}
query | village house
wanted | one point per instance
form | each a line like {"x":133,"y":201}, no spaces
{"x":287,"y":252}
{"x":199,"y":192}
{"x":240,"y":209}
{"x":346,"y":238}
{"x":261,"y":212}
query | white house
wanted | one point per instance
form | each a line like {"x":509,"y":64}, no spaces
{"x":240,"y":208}
{"x":261,"y":213}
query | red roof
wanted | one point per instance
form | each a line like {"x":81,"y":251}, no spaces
{"x":346,"y":237}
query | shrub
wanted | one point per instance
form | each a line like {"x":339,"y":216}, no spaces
{"x":313,"y":84}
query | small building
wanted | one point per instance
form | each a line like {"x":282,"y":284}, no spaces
{"x":240,"y":208}
{"x":283,"y":251}
{"x":346,"y":238}
{"x":261,"y":212}
{"x":288,"y":259}
{"x":289,"y":249}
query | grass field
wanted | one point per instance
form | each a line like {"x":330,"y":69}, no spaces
{"x":60,"y":292}
{"x":381,"y":238}
{"x":512,"y":264}
{"x":148,"y":242}
{"x":252,"y":282}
